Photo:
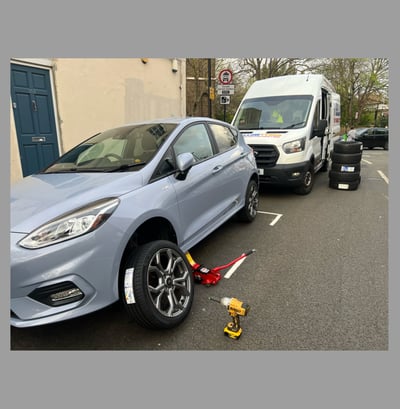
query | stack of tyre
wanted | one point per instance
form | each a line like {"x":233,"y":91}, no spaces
{"x":346,"y":165}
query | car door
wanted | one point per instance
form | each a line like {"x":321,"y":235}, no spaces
{"x":367,"y":138}
{"x":380,"y":137}
{"x":208,"y":195}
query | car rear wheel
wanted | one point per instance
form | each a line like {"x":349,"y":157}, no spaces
{"x":157,"y":287}
{"x":249,"y":211}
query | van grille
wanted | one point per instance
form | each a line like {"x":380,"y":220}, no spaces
{"x":266,"y":155}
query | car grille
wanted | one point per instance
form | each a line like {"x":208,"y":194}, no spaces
{"x":266,"y":155}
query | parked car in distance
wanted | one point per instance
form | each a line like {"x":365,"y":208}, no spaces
{"x":373,"y":137}
{"x":113,"y":218}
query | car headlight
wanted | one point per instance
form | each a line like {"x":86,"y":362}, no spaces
{"x":71,"y":225}
{"x":294,"y":146}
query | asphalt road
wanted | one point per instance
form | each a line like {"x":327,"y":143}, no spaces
{"x":317,"y":281}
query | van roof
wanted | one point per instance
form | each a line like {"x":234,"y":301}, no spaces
{"x":301,"y":84}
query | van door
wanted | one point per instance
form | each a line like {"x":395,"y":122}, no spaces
{"x":316,"y":141}
{"x":320,"y":143}
{"x":334,"y":120}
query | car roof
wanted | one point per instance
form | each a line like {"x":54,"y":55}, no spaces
{"x":177,"y":120}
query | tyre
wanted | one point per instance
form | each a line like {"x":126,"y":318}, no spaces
{"x":346,"y":157}
{"x":345,"y":177}
{"x":307,"y":183}
{"x":344,"y":185}
{"x":157,"y":285}
{"x":345,"y":167}
{"x":249,"y":211}
{"x":347,"y":147}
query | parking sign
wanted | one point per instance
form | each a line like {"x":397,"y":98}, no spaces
{"x":225,"y":99}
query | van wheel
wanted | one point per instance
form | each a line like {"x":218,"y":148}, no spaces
{"x":249,"y":211}
{"x":157,"y":285}
{"x":307,"y":183}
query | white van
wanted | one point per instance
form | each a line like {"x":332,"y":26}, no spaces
{"x":291,"y":122}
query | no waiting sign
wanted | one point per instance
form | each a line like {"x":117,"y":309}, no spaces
{"x":225,"y":77}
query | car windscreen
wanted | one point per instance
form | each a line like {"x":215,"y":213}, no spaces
{"x":280,"y":112}
{"x":127,"y":147}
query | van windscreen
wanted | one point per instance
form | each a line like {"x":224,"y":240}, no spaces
{"x":280,"y":112}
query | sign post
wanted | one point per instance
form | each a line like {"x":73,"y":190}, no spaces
{"x":225,"y":88}
{"x":225,"y":100}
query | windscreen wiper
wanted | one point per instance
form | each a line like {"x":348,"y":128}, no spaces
{"x":124,"y":167}
{"x":76,"y":169}
{"x":296,"y":124}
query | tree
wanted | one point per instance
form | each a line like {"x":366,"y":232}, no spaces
{"x":197,"y":86}
{"x":361,"y":82}
{"x":259,"y":68}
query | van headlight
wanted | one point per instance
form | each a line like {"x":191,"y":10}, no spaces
{"x":294,"y":146}
{"x":71,"y":225}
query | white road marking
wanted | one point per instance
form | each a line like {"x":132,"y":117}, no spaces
{"x":234,"y":268}
{"x":367,"y":161}
{"x":383,"y":176}
{"x":278,"y":216}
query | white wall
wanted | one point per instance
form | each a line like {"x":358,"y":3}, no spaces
{"x":93,"y":94}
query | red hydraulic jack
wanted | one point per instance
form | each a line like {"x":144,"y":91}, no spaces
{"x":206,"y":276}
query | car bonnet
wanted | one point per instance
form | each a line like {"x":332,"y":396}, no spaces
{"x":40,"y":198}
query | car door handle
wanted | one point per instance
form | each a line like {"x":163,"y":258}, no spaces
{"x":217,"y":169}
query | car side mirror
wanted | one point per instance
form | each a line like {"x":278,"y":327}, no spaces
{"x":320,"y":129}
{"x":184,"y":162}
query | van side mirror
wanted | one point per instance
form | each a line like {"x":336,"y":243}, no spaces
{"x":320,"y":129}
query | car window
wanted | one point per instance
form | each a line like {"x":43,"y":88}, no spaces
{"x":196,"y":141}
{"x":224,"y":137}
{"x":360,"y":131}
{"x":166,"y":166}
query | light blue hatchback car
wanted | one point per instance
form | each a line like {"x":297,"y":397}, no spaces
{"x":113,"y":218}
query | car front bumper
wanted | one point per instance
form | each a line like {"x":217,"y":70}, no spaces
{"x":61,"y":281}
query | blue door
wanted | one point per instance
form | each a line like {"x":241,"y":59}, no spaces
{"x":34,"y":117}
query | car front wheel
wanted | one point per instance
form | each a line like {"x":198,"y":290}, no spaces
{"x":157,"y":287}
